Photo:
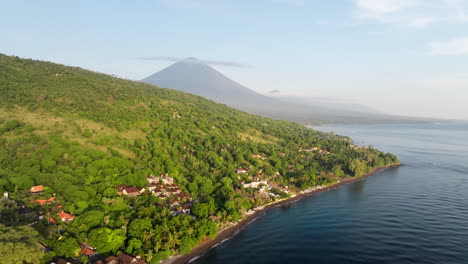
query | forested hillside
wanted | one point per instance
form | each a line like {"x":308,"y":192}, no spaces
{"x":81,"y":134}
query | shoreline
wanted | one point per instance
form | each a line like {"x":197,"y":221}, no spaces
{"x":230,"y":231}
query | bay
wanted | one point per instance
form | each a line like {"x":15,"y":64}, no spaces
{"x":417,"y":213}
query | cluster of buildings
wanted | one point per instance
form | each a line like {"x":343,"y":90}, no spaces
{"x":62,"y":215}
{"x":313,"y":149}
{"x":120,"y":259}
{"x":357,"y":147}
{"x":163,"y":187}
{"x":89,"y":250}
{"x":258,"y":182}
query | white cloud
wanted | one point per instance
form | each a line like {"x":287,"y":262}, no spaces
{"x":412,"y":13}
{"x":457,"y":46}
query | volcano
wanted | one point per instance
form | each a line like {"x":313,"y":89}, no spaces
{"x":196,"y":77}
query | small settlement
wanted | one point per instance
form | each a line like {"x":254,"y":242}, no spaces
{"x":315,"y":149}
{"x":260,"y":183}
{"x":62,"y":215}
{"x":120,"y":259}
{"x":162,"y":186}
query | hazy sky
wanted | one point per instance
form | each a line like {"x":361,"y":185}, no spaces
{"x":400,"y":56}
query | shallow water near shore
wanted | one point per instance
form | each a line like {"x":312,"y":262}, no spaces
{"x":417,"y":213}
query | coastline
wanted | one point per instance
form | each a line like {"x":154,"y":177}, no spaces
{"x":230,"y":231}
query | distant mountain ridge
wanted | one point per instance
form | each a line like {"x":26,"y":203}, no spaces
{"x":193,"y":76}
{"x":331,"y":103}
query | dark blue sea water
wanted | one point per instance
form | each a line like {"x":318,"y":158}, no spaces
{"x":417,"y":213}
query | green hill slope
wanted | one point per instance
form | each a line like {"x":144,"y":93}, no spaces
{"x":81,"y":134}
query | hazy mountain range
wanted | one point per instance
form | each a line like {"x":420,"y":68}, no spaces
{"x":193,"y":76}
{"x":329,"y":103}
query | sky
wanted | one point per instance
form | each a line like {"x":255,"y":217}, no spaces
{"x":406,"y":57}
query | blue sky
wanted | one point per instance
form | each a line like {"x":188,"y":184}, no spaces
{"x":405,"y":57}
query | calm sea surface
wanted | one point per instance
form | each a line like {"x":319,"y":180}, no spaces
{"x":417,"y":213}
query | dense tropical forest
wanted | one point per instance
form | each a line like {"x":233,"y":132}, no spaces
{"x":80,"y":135}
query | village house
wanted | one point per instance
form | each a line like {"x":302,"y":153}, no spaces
{"x":124,"y":259}
{"x":186,"y":208}
{"x":60,"y":261}
{"x":163,"y":178}
{"x":174,"y":190}
{"x":173,"y":203}
{"x":255,"y":184}
{"x":65,"y":217}
{"x":258,"y":156}
{"x":152,"y":179}
{"x":152,"y":187}
{"x":52,"y":221}
{"x":240,"y":170}
{"x":120,"y":188}
{"x":37,"y":189}
{"x":182,"y":196}
{"x":180,"y":208}
{"x":42,"y":202}
{"x":308,"y":150}
{"x":87,"y":250}
{"x":133,"y":191}
{"x":163,"y":187}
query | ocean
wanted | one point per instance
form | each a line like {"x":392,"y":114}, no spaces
{"x":417,"y":213}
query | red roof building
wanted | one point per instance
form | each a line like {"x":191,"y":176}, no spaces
{"x":124,"y":259}
{"x":52,"y":221}
{"x":60,"y":261}
{"x":239,"y":171}
{"x":112,"y":260}
{"x":41,"y":202}
{"x":37,"y":189}
{"x":87,"y":252}
{"x":65,"y":217}
{"x":133,"y":191}
{"x":87,"y":249}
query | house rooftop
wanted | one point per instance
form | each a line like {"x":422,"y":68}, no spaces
{"x":111,"y":258}
{"x":66,"y":216}
{"x":87,"y":252}
{"x":37,"y":188}
{"x":60,"y":261}
{"x":41,"y":202}
{"x":132,"y":190}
